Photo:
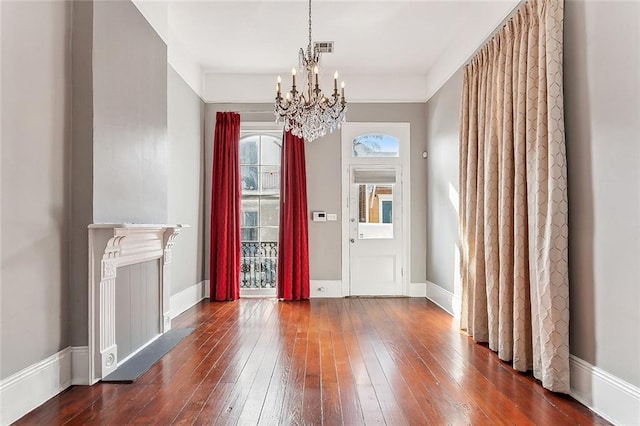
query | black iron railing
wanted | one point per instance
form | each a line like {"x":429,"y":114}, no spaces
{"x":258,"y":265}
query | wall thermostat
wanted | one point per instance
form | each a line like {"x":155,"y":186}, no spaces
{"x":319,"y":216}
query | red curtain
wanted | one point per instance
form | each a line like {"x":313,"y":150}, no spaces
{"x":293,"y":251}
{"x":224,"y":263}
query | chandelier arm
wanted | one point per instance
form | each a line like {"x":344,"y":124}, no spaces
{"x":283,"y":108}
{"x":337,"y":116}
{"x":331,"y":103}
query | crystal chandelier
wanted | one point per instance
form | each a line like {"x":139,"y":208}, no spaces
{"x":309,"y":115}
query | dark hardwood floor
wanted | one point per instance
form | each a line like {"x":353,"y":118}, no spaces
{"x":324,"y":361}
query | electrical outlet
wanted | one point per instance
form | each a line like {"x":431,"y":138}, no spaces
{"x":332,"y":217}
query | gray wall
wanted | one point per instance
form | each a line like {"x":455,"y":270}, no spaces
{"x":120,"y":143}
{"x":36,"y":102}
{"x":324,"y":188}
{"x":118,"y":100}
{"x":137,"y":306}
{"x":186,"y":181}
{"x":602,"y":103}
{"x":602,"y":110}
{"x":130,"y":117}
{"x":324,"y":185}
{"x":443,"y":126}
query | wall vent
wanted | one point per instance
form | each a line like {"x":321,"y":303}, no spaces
{"x":324,"y":46}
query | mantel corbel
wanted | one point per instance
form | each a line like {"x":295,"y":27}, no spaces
{"x":169,"y":237}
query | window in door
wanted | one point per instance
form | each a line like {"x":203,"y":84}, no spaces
{"x":260,"y":209}
{"x":375,"y":211}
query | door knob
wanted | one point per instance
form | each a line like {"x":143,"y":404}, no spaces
{"x":352,"y":240}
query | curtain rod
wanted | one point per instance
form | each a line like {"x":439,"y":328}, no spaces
{"x":495,"y":31}
{"x":254,"y":112}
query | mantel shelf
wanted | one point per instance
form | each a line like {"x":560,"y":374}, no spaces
{"x":137,"y":225}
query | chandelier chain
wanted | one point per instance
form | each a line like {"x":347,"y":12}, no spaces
{"x":310,"y":40}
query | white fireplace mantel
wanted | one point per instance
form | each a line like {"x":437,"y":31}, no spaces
{"x":110,"y":247}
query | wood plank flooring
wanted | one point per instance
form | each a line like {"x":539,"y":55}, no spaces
{"x":324,"y":361}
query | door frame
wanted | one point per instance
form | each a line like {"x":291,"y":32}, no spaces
{"x":402,"y":131}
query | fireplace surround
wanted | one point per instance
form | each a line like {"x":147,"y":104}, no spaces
{"x":112,"y":246}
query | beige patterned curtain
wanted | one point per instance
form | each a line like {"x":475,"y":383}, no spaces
{"x":513,"y":196}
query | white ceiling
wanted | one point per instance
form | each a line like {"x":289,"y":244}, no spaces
{"x":232,"y":51}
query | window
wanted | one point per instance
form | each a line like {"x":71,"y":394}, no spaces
{"x":375,"y":211}
{"x":375,"y":145}
{"x":260,"y":180}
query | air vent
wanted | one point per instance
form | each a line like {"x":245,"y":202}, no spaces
{"x":324,"y":46}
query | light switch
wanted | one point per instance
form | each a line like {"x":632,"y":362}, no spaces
{"x":332,"y":217}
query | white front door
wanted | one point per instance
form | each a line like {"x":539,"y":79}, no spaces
{"x":375,"y":231}
{"x":375,"y":220}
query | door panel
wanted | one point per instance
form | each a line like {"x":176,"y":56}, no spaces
{"x":376,"y":268}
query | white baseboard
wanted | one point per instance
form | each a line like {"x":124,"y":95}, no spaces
{"x":80,"y":365}
{"x":443,"y":298}
{"x":612,"y":398}
{"x":325,"y":288}
{"x":187,"y":298}
{"x":418,"y":289}
{"x":333,"y":289}
{"x":32,"y":386}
